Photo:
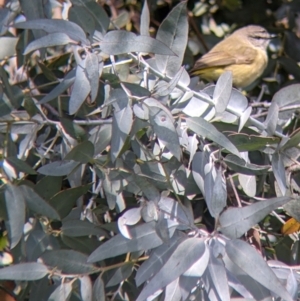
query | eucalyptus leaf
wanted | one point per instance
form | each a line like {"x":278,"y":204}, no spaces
{"x":8,"y":48}
{"x":68,"y":261}
{"x":222,"y":91}
{"x":15,"y":207}
{"x":234,"y":222}
{"x":24,"y":271}
{"x":50,"y":40}
{"x":207,"y":130}
{"x":145,"y":20}
{"x":119,"y":41}
{"x":77,"y":228}
{"x":156,"y":259}
{"x":80,"y":91}
{"x":71,"y":29}
{"x":144,"y":237}
{"x":165,"y":130}
{"x":67,"y":82}
{"x":122,"y":121}
{"x":279,"y":171}
{"x":173,"y":32}
{"x":218,"y":276}
{"x":120,"y":274}
{"x":250,"y":261}
{"x":92,"y":67}
{"x":98,"y":290}
{"x":241,"y":166}
{"x":37,"y":203}
{"x":58,"y":168}
{"x":83,"y":152}
{"x":183,"y":257}
{"x":62,"y":292}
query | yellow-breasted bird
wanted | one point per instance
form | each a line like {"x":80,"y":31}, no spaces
{"x":244,"y":53}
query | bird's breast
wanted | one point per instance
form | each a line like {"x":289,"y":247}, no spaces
{"x":246,"y":74}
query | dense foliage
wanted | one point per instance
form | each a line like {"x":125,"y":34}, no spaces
{"x":122,"y":178}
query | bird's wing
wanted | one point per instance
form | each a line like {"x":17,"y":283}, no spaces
{"x":217,"y":58}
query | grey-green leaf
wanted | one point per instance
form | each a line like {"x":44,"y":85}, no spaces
{"x":80,"y":91}
{"x":77,"y":228}
{"x":165,"y":130}
{"x":173,"y":31}
{"x":62,"y":292}
{"x":249,"y":260}
{"x":92,"y":72}
{"x":24,"y":272}
{"x":58,"y":168}
{"x":145,"y":20}
{"x":71,"y":29}
{"x":83,"y":152}
{"x":156,"y":259}
{"x":184,"y":256}
{"x":68,"y":261}
{"x":145,"y":237}
{"x":241,"y":166}
{"x":279,"y":171}
{"x":120,"y":41}
{"x":15,"y":207}
{"x":207,"y":130}
{"x":37,"y":204}
{"x":67,"y":82}
{"x":222,"y":92}
{"x":122,"y":122}
{"x":50,"y":40}
{"x":8,"y":46}
{"x":235,"y":222}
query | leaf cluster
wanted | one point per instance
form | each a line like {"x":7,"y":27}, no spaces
{"x":122,"y":178}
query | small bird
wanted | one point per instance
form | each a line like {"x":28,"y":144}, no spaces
{"x":244,"y":53}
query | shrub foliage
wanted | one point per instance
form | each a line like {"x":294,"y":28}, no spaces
{"x":123,"y":179}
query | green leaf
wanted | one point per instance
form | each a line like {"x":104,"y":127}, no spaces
{"x":66,"y":83}
{"x":15,"y":207}
{"x":92,"y":68}
{"x":222,"y":92}
{"x":249,"y":260}
{"x":69,"y":262}
{"x":165,"y":130}
{"x":73,"y":129}
{"x":24,"y":272}
{"x":287,"y":95}
{"x":122,"y":122}
{"x":20,"y":165}
{"x":37,"y":204}
{"x":145,"y":237}
{"x":58,"y":168}
{"x":207,"y":130}
{"x":145,"y":20}
{"x":183,"y":257}
{"x":235,"y":222}
{"x":241,"y":166}
{"x":120,"y":41}
{"x":83,"y":152}
{"x":71,"y":29}
{"x":120,"y":274}
{"x":246,"y":143}
{"x":80,"y":91}
{"x":62,"y":292}
{"x":50,"y":40}
{"x":48,"y":186}
{"x":77,"y":228}
{"x":8,"y":47}
{"x":81,"y":16}
{"x":173,"y":32}
{"x":65,"y":200}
